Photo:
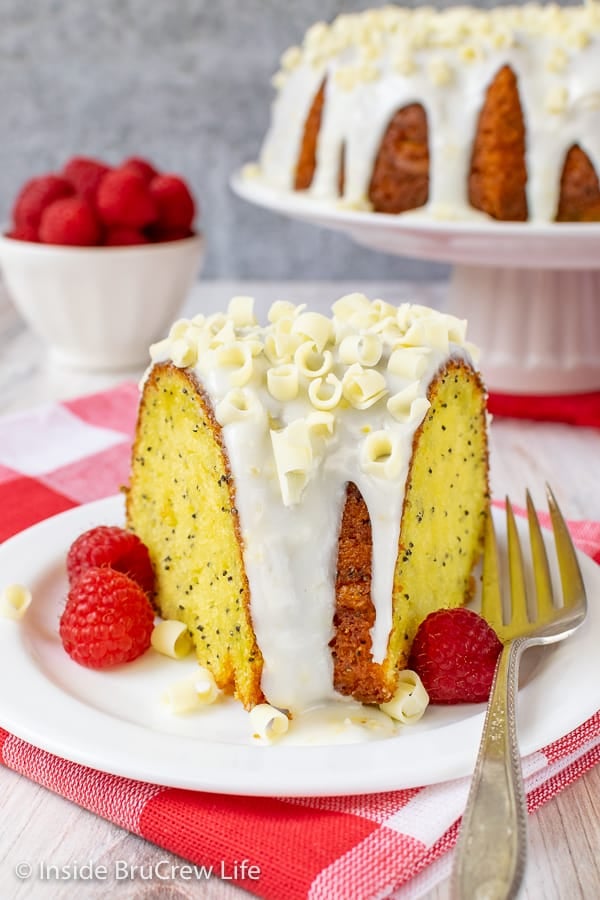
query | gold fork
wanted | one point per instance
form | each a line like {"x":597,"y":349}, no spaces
{"x":491,"y":849}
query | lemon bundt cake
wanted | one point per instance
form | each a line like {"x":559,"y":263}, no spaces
{"x":309,"y":490}
{"x":457,"y":110}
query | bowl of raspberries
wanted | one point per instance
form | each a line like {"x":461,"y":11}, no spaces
{"x":99,"y":259}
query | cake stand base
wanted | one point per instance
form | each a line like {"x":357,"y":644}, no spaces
{"x":538,"y":329}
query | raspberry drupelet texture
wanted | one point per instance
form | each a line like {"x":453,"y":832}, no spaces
{"x":107,"y":620}
{"x":70,"y":221}
{"x":174,"y":202}
{"x":35,"y":196}
{"x":124,"y":198}
{"x":85,"y":175}
{"x":454,"y":653}
{"x":109,"y":545}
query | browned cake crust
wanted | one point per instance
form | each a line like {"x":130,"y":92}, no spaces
{"x":307,"y":160}
{"x":579,"y":189}
{"x":179,"y":465}
{"x":400,"y":179}
{"x":498,"y":172}
{"x":354,"y":672}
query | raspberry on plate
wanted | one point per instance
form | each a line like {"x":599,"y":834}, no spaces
{"x":124,"y":198}
{"x":85,"y":174}
{"x":175,"y":204}
{"x":69,"y":221}
{"x":107,"y":619}
{"x":109,"y":545}
{"x":35,"y":196}
{"x":454,"y":653}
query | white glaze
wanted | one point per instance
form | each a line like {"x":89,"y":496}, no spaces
{"x":453,"y":56}
{"x":290,"y":546}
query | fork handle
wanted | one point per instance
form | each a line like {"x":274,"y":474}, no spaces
{"x":490,"y":854}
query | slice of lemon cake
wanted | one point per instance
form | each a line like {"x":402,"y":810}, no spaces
{"x":309,"y":490}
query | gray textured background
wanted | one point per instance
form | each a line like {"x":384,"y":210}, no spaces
{"x":184,"y":82}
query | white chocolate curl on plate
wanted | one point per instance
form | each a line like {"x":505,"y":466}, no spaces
{"x":191,"y":693}
{"x":171,"y":638}
{"x":268,"y":723}
{"x":410,"y":700}
{"x":14,"y":601}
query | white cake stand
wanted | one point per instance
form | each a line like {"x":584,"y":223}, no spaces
{"x":531,"y":293}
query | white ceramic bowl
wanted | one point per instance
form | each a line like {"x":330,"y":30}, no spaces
{"x":100,"y":307}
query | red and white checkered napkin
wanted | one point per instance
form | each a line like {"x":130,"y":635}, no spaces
{"x":388,"y":844}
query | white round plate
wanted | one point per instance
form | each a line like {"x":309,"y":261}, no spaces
{"x":478,"y":242}
{"x":113,"y":720}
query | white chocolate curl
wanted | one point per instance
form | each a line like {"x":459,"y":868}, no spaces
{"x":171,"y":638}
{"x":241,"y":310}
{"x":314,"y":327}
{"x":15,"y":600}
{"x":351,"y":305}
{"x":178,"y":329}
{"x":225,"y":335}
{"x":325,"y":393}
{"x":410,"y":700}
{"x":365,"y":349}
{"x":279,"y":309}
{"x":183,"y":353}
{"x":268,"y":723}
{"x":191,"y":693}
{"x":363,"y":387}
{"x":427,"y":331}
{"x":311,"y":362}
{"x":406,"y":406}
{"x":321,"y":423}
{"x":238,"y":356}
{"x":282,"y":382}
{"x":380,"y":455}
{"x":408,"y":362}
{"x":292,"y":449}
{"x":239,"y":404}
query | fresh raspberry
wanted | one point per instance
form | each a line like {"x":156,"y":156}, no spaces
{"x":454,"y":653}
{"x":23,"y":233}
{"x":69,"y":221}
{"x":141,"y":166}
{"x":85,"y":175}
{"x":122,"y":236}
{"x":35,"y":196}
{"x":109,"y":545}
{"x":175,"y":204}
{"x":124,"y":199}
{"x":107,"y":619}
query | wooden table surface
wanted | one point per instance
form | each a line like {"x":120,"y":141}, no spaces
{"x":37,"y":826}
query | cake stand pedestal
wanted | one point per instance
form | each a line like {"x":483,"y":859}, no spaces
{"x":530,"y":293}
{"x":538,"y":329}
